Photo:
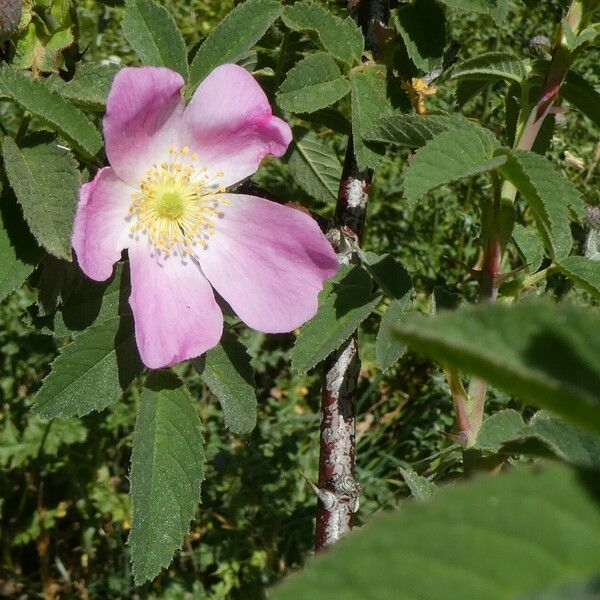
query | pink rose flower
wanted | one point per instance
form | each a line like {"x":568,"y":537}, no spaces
{"x":163,"y":198}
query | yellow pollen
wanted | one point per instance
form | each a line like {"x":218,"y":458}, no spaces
{"x":175,"y":207}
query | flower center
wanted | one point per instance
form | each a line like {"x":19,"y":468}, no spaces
{"x":177,"y":204}
{"x":170,"y":205}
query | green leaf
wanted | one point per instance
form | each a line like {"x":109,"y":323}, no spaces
{"x":582,"y":95}
{"x":500,"y":12}
{"x":51,"y":108}
{"x":412,"y":131}
{"x":19,"y":253}
{"x":448,"y":157}
{"x":167,"y":469}
{"x":490,"y":65}
{"x":388,"y":348}
{"x":585,"y":588}
{"x":152,"y":33}
{"x":530,"y":246}
{"x":39,"y":50}
{"x":345,"y":302}
{"x":18,"y":449}
{"x":422,"y":26}
{"x":340,"y":37}
{"x":90,"y":86}
{"x":315,"y":166}
{"x":92,"y":372}
{"x":420,"y":487}
{"x":471,"y":6}
{"x":549,"y":195}
{"x":498,"y":428}
{"x":58,"y":41}
{"x":583,"y":272}
{"x":541,"y":353}
{"x":227,"y":372}
{"x":565,"y":440}
{"x":506,"y":430}
{"x":314,"y":83}
{"x":495,"y":537}
{"x":236,"y":34}
{"x":370,"y":99}
{"x":46,"y":182}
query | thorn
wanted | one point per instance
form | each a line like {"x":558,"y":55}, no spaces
{"x":326,"y":497}
{"x":502,"y":277}
{"x":474,"y":273}
{"x":461,"y":438}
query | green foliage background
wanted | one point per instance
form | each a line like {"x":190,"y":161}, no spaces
{"x":63,"y":486}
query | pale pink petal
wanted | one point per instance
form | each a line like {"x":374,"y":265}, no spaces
{"x":142,"y":118}
{"x":101,"y":229}
{"x":174,"y":309}
{"x":230,"y":124}
{"x":268,"y":261}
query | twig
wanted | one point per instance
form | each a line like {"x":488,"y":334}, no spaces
{"x":341,"y":369}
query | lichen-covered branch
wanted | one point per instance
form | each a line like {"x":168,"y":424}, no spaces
{"x":337,"y":490}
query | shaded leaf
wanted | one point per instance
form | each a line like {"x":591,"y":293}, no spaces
{"x":541,"y":353}
{"x":390,"y":275}
{"x":529,"y":529}
{"x":94,"y":303}
{"x":329,"y":118}
{"x":422,"y":26}
{"x":19,"y":253}
{"x":582,"y":95}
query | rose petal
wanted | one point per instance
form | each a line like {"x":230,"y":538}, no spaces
{"x":101,"y":230}
{"x":143,"y":113}
{"x":269,"y":262}
{"x":231,"y":126}
{"x":174,"y":308}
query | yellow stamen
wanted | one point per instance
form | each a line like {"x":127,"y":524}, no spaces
{"x":174,"y":206}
